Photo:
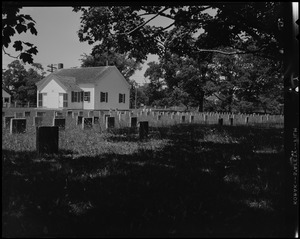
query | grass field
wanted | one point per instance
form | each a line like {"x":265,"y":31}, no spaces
{"x":184,"y":180}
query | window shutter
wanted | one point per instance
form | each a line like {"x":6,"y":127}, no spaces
{"x":72,"y":96}
{"x":106,"y":96}
{"x":124,"y":98}
{"x":81,"y":96}
{"x":120,"y":98}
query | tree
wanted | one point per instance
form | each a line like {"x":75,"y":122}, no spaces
{"x":125,"y":29}
{"x":13,"y":22}
{"x":21,"y":83}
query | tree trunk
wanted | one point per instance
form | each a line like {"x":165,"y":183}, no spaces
{"x":201,"y":101}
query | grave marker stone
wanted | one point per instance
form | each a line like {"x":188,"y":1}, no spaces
{"x":7,"y":121}
{"x":231,"y":121}
{"x":133,"y":122}
{"x":90,"y":113}
{"x":37,"y":121}
{"x":96,"y":120}
{"x":47,"y":140}
{"x":182,"y":120}
{"x":60,"y":123}
{"x":191,"y":118}
{"x":143,"y":129}
{"x":79,"y":120}
{"x":220,"y":121}
{"x":246,"y":119}
{"x":158,"y":117}
{"x":17,"y":125}
{"x":87,"y":123}
{"x":69,"y":113}
{"x":110,"y":122}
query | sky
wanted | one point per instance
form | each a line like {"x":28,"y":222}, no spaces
{"x":57,"y":40}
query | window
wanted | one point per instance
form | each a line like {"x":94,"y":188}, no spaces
{"x":6,"y":100}
{"x":121,"y":98}
{"x":40,"y":99}
{"x":103,"y":96}
{"x":65,"y":100}
{"x":76,"y":96}
{"x":87,"y":96}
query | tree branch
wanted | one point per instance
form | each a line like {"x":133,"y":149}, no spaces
{"x":16,"y":57}
{"x":143,"y":24}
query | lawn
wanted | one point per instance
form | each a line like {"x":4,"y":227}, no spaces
{"x":184,"y":180}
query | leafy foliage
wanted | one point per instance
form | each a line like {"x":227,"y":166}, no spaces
{"x":12,"y":23}
{"x":21,"y":83}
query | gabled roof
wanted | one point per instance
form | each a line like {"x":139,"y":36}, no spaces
{"x":75,"y":76}
{"x":67,"y":83}
{"x":5,"y":94}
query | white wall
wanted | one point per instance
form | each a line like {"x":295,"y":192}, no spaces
{"x":51,"y":99}
{"x":114,"y":85}
{"x":91,"y":89}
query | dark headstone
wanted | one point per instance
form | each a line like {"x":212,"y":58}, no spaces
{"x":220,"y":121}
{"x":17,"y":125}
{"x":133,"y":122}
{"x":231,"y":121}
{"x":182,"y":118}
{"x":7,"y":121}
{"x":79,"y":120}
{"x":247,"y":120}
{"x":27,"y":113}
{"x":144,"y":129}
{"x":96,"y":120}
{"x":37,"y":121}
{"x":47,"y":140}
{"x":87,"y":123}
{"x":60,"y":122}
{"x":191,"y":118}
{"x":159,"y":117}
{"x":110,"y":122}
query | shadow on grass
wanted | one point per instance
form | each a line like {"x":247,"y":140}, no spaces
{"x":190,"y":187}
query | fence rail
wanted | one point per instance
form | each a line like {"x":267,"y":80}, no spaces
{"x":19,"y":105}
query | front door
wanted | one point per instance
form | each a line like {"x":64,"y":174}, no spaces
{"x":60,"y":100}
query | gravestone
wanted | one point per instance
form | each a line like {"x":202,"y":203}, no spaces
{"x":110,"y":122}
{"x":19,"y":115}
{"x":90,"y":113}
{"x":17,"y":125}
{"x":231,"y":121}
{"x":7,"y":121}
{"x":192,"y":118}
{"x":37,"y":121}
{"x":40,"y":113}
{"x":96,"y":120}
{"x":133,"y":122}
{"x":69,"y":113}
{"x":27,"y":113}
{"x":60,"y":123}
{"x":247,"y":120}
{"x":182,"y":120}
{"x":75,"y":114}
{"x":143,"y":129}
{"x":79,"y":120}
{"x":47,"y":140}
{"x":205,"y":119}
{"x":220,"y":121}
{"x":87,"y":123}
{"x":104,"y":117}
{"x":159,"y":117}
